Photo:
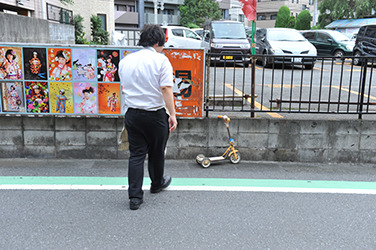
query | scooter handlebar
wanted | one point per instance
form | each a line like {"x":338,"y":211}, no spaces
{"x":225,"y":118}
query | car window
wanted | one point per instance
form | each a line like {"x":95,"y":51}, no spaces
{"x":260,"y":33}
{"x":229,"y":30}
{"x":177,"y":32}
{"x":361,"y":31}
{"x":190,"y":34}
{"x":322,"y":37}
{"x":371,"y":32}
{"x":309,"y":35}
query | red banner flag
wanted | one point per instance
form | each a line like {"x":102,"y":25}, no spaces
{"x":249,"y":9}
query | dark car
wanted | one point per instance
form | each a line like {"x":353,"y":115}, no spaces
{"x":330,"y":42}
{"x":228,"y":39}
{"x":365,"y":44}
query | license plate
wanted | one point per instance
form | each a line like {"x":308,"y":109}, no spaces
{"x":228,"y":57}
{"x":297,"y":60}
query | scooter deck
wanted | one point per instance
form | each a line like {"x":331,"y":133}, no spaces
{"x":217,"y":158}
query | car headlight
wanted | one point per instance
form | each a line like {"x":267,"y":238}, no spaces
{"x":216,"y":45}
{"x":350,"y":47}
{"x":246,"y":46}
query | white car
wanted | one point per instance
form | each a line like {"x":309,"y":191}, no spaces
{"x":287,"y":46}
{"x":181,"y":37}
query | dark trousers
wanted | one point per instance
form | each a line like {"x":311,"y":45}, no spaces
{"x":147,"y":134}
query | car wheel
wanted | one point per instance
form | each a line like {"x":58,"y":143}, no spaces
{"x":357,"y":56}
{"x":339,"y":54}
{"x":309,"y":66}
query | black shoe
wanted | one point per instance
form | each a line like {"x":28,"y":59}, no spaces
{"x":135,"y":203}
{"x":166,"y":183}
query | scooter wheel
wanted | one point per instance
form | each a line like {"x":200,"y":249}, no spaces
{"x":235,"y":160}
{"x":205,"y":163}
{"x":199,"y":158}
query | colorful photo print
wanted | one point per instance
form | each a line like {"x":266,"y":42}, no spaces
{"x":85,"y":98}
{"x":59,"y":64}
{"x":125,"y":52}
{"x":12,"y":97}
{"x":11,"y":63}
{"x":35,"y":63}
{"x":109,"y":98}
{"x":107,"y":63}
{"x":84,"y":64}
{"x":61,"y":95}
{"x":37,"y":100}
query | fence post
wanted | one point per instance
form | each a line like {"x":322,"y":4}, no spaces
{"x":363,"y":86}
{"x":253,"y":84}
{"x":206,"y":90}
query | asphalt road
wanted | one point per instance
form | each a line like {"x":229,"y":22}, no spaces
{"x":183,"y":219}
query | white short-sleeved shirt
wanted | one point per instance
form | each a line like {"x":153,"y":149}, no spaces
{"x":142,"y":74}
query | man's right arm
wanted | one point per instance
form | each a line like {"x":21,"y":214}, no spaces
{"x":168,"y":97}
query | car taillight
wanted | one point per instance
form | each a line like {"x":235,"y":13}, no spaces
{"x":166,"y":35}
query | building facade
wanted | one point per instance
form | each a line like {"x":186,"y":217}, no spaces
{"x":267,"y":10}
{"x":127,"y":12}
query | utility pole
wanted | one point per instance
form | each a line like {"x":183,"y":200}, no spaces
{"x":157,"y":4}
{"x":314,"y":12}
{"x":141,"y":11}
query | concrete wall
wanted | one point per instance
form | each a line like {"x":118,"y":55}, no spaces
{"x":22,"y":29}
{"x":257,"y":139}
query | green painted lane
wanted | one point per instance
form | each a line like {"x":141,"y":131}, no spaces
{"x":193,"y":182}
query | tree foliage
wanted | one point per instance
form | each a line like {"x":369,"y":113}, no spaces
{"x":331,"y":10}
{"x":303,"y":20}
{"x":197,"y":12}
{"x":79,"y":30}
{"x":291,"y":22}
{"x":98,"y":34}
{"x":283,"y":17}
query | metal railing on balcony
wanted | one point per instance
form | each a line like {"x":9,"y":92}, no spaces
{"x":59,"y":14}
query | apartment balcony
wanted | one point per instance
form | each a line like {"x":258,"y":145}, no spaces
{"x":123,"y":17}
{"x":269,"y":6}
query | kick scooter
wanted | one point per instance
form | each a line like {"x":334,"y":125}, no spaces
{"x":230,"y":152}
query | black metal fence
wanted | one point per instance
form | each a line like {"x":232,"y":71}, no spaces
{"x":290,"y":84}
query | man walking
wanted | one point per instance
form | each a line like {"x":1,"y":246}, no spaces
{"x":147,"y":78}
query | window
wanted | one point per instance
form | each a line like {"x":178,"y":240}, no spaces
{"x":131,"y":8}
{"x":371,"y":32}
{"x":292,"y":1}
{"x":297,"y":1}
{"x":120,"y":7}
{"x":309,"y":35}
{"x":177,"y":32}
{"x":322,"y":37}
{"x":273,"y":17}
{"x":241,"y":18}
{"x":190,"y":34}
{"x":103,"y":18}
{"x":261,"y":17}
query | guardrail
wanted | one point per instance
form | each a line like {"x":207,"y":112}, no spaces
{"x":290,"y":84}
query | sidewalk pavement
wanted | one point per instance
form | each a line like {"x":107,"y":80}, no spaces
{"x":190,"y":169}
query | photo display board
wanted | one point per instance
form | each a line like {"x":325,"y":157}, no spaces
{"x":85,"y":80}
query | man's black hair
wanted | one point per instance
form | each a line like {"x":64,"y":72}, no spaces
{"x":150,"y":35}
